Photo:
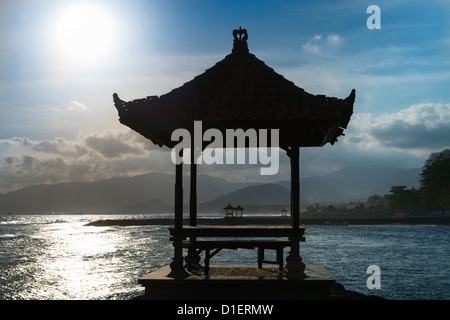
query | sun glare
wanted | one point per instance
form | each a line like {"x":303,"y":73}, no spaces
{"x":84,"y":33}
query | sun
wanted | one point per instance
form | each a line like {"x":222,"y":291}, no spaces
{"x":84,"y":33}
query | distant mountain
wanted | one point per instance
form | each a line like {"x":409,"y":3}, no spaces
{"x":355,"y":182}
{"x":266,"y":194}
{"x":154,"y":192}
{"x":108,"y":196}
{"x":89,"y":197}
{"x":146,"y":207}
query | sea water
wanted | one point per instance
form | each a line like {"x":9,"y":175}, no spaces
{"x":59,"y":257}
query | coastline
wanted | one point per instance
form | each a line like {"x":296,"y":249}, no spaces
{"x":275,"y":221}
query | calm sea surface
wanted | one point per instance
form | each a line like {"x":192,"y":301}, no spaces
{"x":58,"y":257}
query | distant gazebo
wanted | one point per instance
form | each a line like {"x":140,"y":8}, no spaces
{"x":229,"y":210}
{"x":239,"y":91}
{"x":239,"y":210}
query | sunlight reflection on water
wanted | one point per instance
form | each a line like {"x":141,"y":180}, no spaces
{"x":58,"y":257}
{"x":67,"y":260}
{"x":79,"y":261}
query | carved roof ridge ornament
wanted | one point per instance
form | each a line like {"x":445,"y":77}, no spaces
{"x":240,"y":40}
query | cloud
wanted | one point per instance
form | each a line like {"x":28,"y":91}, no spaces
{"x":60,"y":146}
{"x":334,"y":40}
{"x":403,"y":139}
{"x":313,"y":45}
{"x":88,"y":157}
{"x":111,"y":146}
{"x":77,"y":106}
{"x":316,"y":43}
{"x":419,"y":128}
{"x":28,"y":161}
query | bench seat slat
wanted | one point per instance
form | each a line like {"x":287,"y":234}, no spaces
{"x":238,"y":244}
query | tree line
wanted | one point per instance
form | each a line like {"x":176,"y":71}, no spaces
{"x":432,"y":195}
{"x":434,"y":191}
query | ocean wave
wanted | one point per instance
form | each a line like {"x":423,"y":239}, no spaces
{"x":9,"y":236}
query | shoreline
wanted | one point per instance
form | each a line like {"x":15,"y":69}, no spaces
{"x":273,"y":221}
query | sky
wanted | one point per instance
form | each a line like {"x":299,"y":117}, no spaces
{"x":61,"y":61}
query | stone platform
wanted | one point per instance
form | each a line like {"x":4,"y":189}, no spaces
{"x":238,"y":282}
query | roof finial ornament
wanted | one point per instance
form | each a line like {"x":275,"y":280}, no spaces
{"x":242,"y":33}
{"x":240,"y":39}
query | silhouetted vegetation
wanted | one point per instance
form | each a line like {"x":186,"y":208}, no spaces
{"x":434,"y":191}
{"x":435,"y":181}
{"x":432,"y":195}
{"x":401,"y":198}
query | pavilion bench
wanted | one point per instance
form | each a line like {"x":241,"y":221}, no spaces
{"x":211,"y":248}
{"x":229,"y":236}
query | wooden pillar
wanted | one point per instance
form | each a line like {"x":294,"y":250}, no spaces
{"x":295,"y":187}
{"x":193,"y":258}
{"x":177,"y":269}
{"x":294,"y":263}
{"x":179,"y":196}
{"x":193,"y":189}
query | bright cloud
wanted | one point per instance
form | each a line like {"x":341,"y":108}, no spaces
{"x":316,"y":43}
{"x":334,"y":39}
{"x":89,"y":157}
{"x":423,"y":127}
{"x":75,"y":105}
